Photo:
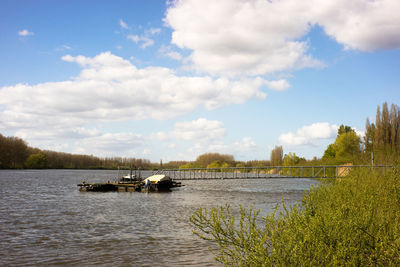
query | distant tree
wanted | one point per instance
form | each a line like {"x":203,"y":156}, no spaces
{"x":347,"y":146}
{"x":225,"y":165}
{"x":13,"y":152}
{"x":36,"y":161}
{"x":214,"y":164}
{"x":276,"y":156}
{"x":5,"y":158}
{"x":207,"y":158}
{"x":330,"y":152}
{"x":258,"y":163}
{"x":292,"y":159}
{"x":344,"y":129}
{"x":379,"y":129}
{"x":385,"y":124}
{"x":240,"y":165}
{"x":369,"y":136}
{"x":394,"y":121}
{"x":383,"y":137}
{"x":186,"y":166}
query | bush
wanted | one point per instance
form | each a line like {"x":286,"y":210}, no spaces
{"x":351,"y":221}
{"x":36,"y":161}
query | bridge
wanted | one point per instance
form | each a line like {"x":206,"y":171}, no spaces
{"x":270,"y":172}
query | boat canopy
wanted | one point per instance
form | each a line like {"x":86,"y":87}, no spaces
{"x":154,"y":179}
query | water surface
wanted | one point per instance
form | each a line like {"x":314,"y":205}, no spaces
{"x":45,"y":220}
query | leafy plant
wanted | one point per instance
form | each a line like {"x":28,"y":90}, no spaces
{"x":350,"y":221}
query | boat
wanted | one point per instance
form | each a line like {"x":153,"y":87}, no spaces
{"x":129,"y":178}
{"x":159,"y":182}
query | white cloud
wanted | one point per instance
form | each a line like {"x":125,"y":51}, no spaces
{"x":203,"y":135}
{"x":123,"y":24}
{"x":146,"y":152}
{"x":360,"y":24}
{"x":153,"y":31}
{"x":111,"y":144}
{"x":309,"y":134}
{"x":110,"y":88}
{"x":169,"y":52}
{"x":244,"y":145}
{"x":174,"y":55}
{"x":171,"y":146}
{"x":160,"y":136}
{"x":241,"y":37}
{"x":25,"y":32}
{"x":257,"y":37}
{"x":57,"y":133}
{"x":279,"y":85}
{"x":144,"y":40}
{"x":200,"y":131}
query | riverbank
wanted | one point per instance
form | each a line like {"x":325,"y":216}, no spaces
{"x":348,"y":221}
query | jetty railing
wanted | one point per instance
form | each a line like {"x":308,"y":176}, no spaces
{"x":269,"y":172}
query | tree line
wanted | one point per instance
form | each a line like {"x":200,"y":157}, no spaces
{"x":381,"y":141}
{"x":383,"y":137}
{"x":16,"y":154}
{"x":379,"y":145}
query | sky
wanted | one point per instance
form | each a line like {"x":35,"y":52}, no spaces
{"x":170,"y":80}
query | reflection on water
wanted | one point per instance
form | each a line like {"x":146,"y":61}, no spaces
{"x":45,"y":220}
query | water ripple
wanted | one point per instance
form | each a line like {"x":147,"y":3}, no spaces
{"x":45,"y":220}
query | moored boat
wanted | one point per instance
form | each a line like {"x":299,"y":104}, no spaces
{"x":154,"y":183}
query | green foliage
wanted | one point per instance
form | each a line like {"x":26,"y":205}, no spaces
{"x":354,"y":221}
{"x":36,"y":161}
{"x":214,"y":164}
{"x":207,"y":158}
{"x":239,"y":243}
{"x":186,"y":166}
{"x":13,"y":152}
{"x":344,"y":129}
{"x":225,"y":165}
{"x":346,"y":148}
{"x":330,"y":152}
{"x":291,"y":159}
{"x":383,"y":137}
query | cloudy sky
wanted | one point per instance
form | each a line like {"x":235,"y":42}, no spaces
{"x":171,"y":80}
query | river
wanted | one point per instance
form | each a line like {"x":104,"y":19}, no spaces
{"x":45,"y":220}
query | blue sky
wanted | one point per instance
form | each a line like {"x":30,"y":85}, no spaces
{"x":172,"y":80}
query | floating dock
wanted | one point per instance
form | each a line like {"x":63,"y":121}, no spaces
{"x":155,"y":183}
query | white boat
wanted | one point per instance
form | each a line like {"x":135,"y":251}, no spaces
{"x":128,"y":178}
{"x":159,"y":182}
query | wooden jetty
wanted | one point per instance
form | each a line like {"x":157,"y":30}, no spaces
{"x":154,"y":183}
